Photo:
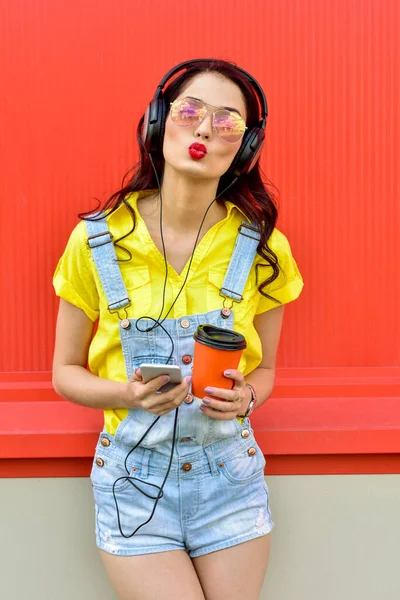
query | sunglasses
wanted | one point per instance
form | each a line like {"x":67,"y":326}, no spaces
{"x":229,"y":125}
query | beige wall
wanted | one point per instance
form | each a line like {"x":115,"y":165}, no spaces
{"x":336,"y":538}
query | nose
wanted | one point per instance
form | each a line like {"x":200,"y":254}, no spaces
{"x":204,"y":129}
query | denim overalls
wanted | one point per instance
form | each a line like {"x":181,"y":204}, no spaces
{"x":197,"y":436}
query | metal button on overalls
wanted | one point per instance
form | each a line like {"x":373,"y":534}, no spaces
{"x":186,"y":467}
{"x":185,"y":323}
{"x":125,"y":324}
{"x":188,"y":399}
{"x":245,"y":433}
{"x":187,"y":359}
{"x":251,"y":451}
{"x":99,"y":462}
{"x":105,"y":442}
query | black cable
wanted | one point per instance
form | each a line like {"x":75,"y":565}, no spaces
{"x":158,"y":323}
{"x":133,"y":479}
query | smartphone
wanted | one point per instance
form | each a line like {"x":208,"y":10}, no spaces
{"x":150,"y":371}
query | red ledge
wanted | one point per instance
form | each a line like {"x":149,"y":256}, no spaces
{"x":276,"y":465}
{"x":317,"y":421}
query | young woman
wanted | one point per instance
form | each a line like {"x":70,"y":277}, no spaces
{"x":180,"y":499}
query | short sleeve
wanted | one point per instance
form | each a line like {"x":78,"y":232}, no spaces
{"x":73,"y":278}
{"x":289,"y":283}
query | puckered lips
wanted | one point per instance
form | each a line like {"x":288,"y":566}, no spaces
{"x":197,"y":151}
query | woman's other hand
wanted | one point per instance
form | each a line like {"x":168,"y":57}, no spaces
{"x":224,"y":405}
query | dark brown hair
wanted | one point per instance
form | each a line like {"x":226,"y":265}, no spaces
{"x":249,"y":193}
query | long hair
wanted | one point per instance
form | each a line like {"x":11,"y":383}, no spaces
{"x":249,"y":192}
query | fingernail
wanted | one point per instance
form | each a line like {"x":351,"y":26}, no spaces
{"x":188,"y":379}
{"x":228,"y":373}
{"x":202,"y":408}
{"x":208,"y":390}
{"x":165,"y":379}
{"x":206,"y":401}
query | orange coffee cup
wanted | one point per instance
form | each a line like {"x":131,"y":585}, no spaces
{"x":215,"y":351}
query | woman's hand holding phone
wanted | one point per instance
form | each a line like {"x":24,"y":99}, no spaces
{"x":144,"y":395}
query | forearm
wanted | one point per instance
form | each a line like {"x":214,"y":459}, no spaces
{"x":262,"y":380}
{"x":78,"y":385}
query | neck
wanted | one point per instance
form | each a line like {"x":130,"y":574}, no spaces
{"x":185,"y":200}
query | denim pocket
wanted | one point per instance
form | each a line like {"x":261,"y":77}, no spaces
{"x":106,"y":472}
{"x":135,"y":356}
{"x":245,"y":466}
{"x":153,"y":360}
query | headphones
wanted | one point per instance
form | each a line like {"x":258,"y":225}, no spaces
{"x":157,"y":112}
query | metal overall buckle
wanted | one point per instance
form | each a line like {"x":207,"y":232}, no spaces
{"x":226,"y":310}
{"x":97,"y":235}
{"x":251,"y":228}
{"x":125,"y":323}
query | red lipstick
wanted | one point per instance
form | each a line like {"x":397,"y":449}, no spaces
{"x":197,"y":151}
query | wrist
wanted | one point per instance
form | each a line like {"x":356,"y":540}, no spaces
{"x":250,"y":401}
{"x":127,"y":397}
{"x":244,"y":405}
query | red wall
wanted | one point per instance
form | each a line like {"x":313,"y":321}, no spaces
{"x":76,"y":76}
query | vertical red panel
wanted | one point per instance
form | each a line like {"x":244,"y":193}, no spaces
{"x":77,"y":75}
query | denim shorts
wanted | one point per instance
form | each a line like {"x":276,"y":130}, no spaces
{"x":214,"y":497}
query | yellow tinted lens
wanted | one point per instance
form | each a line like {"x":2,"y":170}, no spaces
{"x":229,"y":125}
{"x":186,"y":112}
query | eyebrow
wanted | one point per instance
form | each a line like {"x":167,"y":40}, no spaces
{"x":226,"y":107}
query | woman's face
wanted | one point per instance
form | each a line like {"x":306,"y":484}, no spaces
{"x":215,"y":91}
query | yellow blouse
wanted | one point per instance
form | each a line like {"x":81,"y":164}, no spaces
{"x":77,"y":281}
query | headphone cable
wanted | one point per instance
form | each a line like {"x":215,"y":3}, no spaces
{"x":158,"y":323}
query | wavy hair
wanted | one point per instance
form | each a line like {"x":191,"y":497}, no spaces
{"x":249,"y":193}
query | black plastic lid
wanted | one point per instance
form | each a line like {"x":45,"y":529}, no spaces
{"x":221,"y":339}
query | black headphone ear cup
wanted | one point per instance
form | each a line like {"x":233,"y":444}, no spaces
{"x":248,"y":153}
{"x":154,"y":125}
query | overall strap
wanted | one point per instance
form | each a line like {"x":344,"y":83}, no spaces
{"x":100,"y":241}
{"x":241,"y":261}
